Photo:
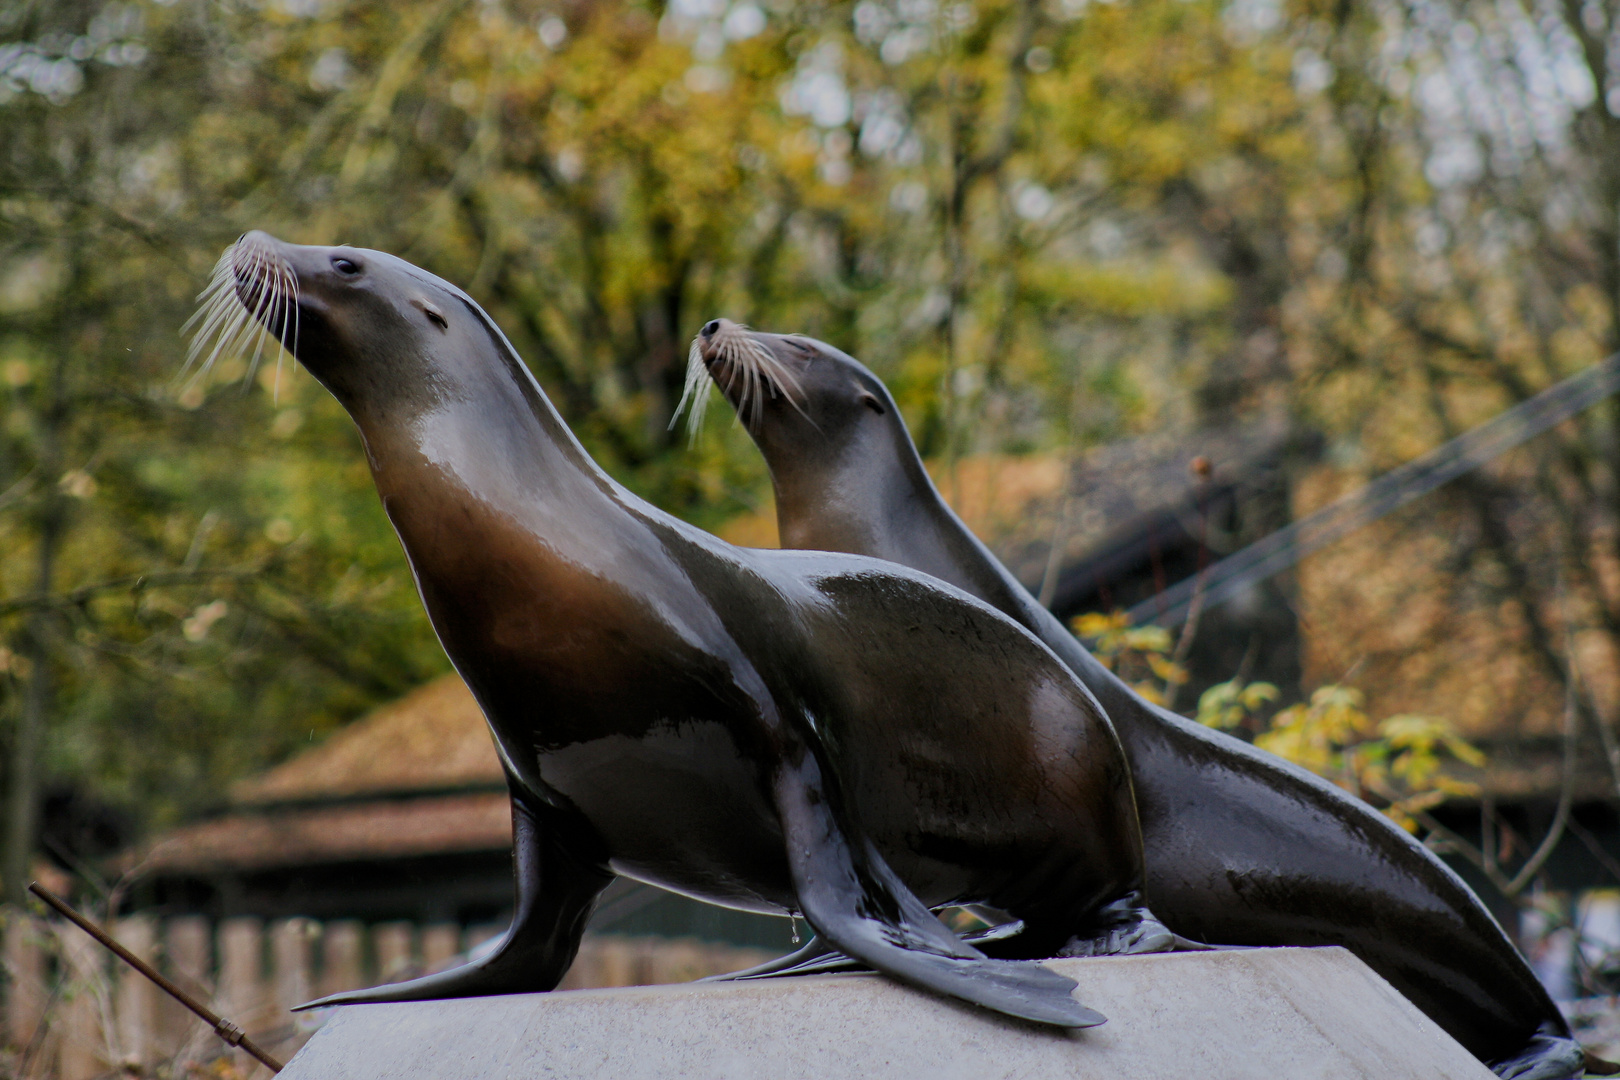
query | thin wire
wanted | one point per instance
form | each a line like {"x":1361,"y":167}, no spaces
{"x":1287,"y":546}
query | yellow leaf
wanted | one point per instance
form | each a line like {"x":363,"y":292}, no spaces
{"x":1147,"y":639}
{"x":1167,"y":670}
{"x":1149,"y":692}
{"x":1095,"y":623}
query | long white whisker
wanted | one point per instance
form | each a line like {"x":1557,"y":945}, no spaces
{"x":757,"y":405}
{"x":226,"y":325}
{"x":751,"y":372}
{"x":694,"y":394}
{"x":781,"y":378}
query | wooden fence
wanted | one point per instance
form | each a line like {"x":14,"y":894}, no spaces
{"x":73,"y":1012}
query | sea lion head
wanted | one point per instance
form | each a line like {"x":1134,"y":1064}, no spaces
{"x":794,"y":394}
{"x":839,"y":455}
{"x":377,"y":332}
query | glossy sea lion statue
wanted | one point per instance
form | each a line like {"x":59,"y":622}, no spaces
{"x":782,"y":732}
{"x":1242,"y":847}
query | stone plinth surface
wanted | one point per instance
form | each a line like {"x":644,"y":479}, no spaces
{"x":1303,"y":1014}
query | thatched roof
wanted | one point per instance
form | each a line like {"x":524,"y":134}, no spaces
{"x":1382,"y":609}
{"x":418,"y":776}
{"x":432,"y":739}
{"x":355,"y":832}
{"x":1015,"y":503}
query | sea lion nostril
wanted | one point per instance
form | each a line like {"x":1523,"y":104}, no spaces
{"x":711,"y":328}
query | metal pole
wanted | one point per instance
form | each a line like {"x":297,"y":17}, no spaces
{"x":226,"y":1030}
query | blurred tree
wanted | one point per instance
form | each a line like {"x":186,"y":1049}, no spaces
{"x":1045,"y":222}
{"x":179,"y":603}
{"x":1476,"y":262}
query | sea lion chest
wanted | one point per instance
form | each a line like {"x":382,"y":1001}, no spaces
{"x":618,"y":700}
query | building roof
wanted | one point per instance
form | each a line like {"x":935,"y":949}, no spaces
{"x":418,"y":776}
{"x":1393,"y":610}
{"x":1106,"y":497}
{"x":355,"y":832}
{"x":432,"y":739}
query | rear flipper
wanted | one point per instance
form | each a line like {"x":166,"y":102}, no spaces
{"x":555,"y":894}
{"x":1549,"y":1055}
{"x":815,"y":952}
{"x":852,"y":898}
{"x":1189,"y":945}
{"x":1122,"y":928}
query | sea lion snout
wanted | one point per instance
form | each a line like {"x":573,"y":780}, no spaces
{"x":747,"y":367}
{"x":718,"y":339}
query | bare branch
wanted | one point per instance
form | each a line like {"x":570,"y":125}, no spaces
{"x":85,"y":593}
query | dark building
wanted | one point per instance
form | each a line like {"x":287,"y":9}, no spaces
{"x":402,"y":815}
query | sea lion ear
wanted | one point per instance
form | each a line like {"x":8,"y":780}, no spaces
{"x":433,"y":313}
{"x":870,"y":400}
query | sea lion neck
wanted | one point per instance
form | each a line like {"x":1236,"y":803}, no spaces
{"x":872,"y":495}
{"x":828,"y":500}
{"x":485,"y":425}
{"x":488,"y":441}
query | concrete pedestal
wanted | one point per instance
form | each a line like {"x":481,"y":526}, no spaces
{"x":1303,"y":1014}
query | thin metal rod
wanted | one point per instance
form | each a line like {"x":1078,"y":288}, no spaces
{"x":226,"y":1030}
{"x":1285,"y":547}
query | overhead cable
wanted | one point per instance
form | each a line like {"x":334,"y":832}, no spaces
{"x":1287,"y":546}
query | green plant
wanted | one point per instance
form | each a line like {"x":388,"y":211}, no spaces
{"x":1397,"y":763}
{"x":1141,"y":655}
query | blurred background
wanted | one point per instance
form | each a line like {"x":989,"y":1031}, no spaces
{"x":1150,"y":280}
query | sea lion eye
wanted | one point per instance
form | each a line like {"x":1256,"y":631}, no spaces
{"x":871,"y":402}
{"x":435,"y":315}
{"x":346,"y":267}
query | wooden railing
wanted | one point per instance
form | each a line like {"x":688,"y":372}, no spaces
{"x":73,"y":1012}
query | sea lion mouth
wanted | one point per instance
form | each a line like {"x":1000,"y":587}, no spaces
{"x":251,"y":297}
{"x":744,"y":368}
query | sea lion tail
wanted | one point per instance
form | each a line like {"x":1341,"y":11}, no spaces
{"x":820,"y":958}
{"x":1123,"y":928}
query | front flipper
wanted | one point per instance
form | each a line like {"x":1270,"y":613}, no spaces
{"x":851,"y":897}
{"x":555,"y":894}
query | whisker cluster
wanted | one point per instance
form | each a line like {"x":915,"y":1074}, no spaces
{"x":250,"y":298}
{"x":746,"y":359}
{"x":694,"y":395}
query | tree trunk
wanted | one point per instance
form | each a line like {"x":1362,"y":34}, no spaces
{"x":36,"y":705}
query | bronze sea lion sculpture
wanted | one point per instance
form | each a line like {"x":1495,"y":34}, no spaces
{"x":1242,"y":847}
{"x":815,"y":733}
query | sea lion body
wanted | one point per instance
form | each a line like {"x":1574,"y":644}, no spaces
{"x":1241,"y":847}
{"x":776,"y":731}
